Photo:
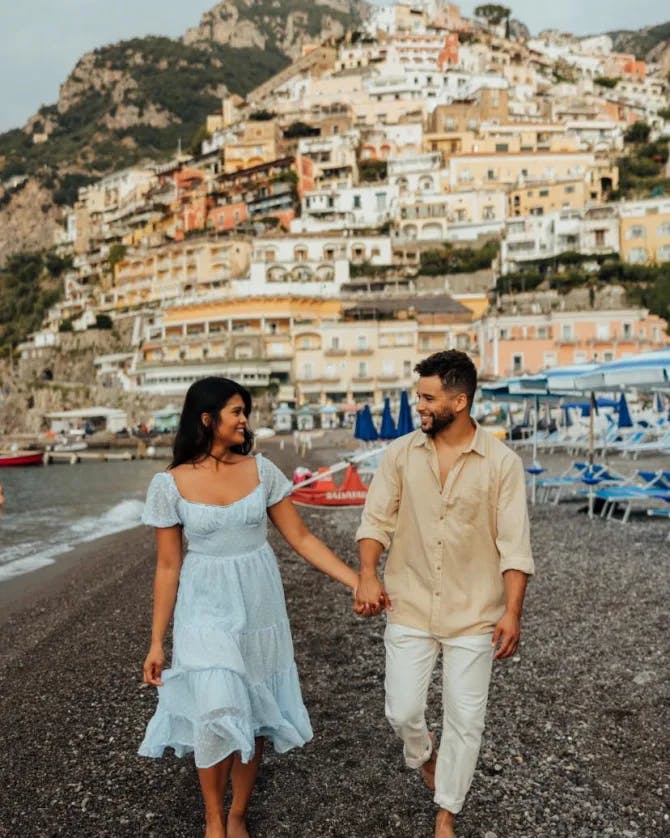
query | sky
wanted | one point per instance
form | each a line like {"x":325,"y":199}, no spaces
{"x":42,"y":40}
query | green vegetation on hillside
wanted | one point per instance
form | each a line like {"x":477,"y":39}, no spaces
{"x":30,"y":283}
{"x":458,"y":260}
{"x":182,"y":81}
{"x":642,"y":169}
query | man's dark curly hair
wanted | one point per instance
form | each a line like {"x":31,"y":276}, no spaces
{"x":455,"y":369}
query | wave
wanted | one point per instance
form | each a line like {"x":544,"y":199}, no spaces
{"x":27,"y":556}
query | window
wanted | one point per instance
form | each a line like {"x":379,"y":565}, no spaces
{"x":627,"y":330}
{"x":602,"y":331}
{"x":599,"y":237}
{"x":608,"y":356}
{"x":362,"y":369}
{"x":579,"y":356}
{"x":300,"y":254}
{"x":517,"y":362}
{"x":362,"y":342}
{"x":664,"y":230}
{"x":569,"y":190}
{"x":637,"y":255}
{"x":307,"y":372}
{"x":502,"y":147}
{"x":380,"y":198}
{"x":544,"y":193}
{"x":636,"y":232}
{"x":664,"y":253}
{"x":270,"y":255}
{"x":489,"y":213}
{"x":425,"y":343}
{"x":449,"y":123}
{"x":335,"y":342}
{"x":542,"y":331}
{"x":550,"y":359}
{"x":406,"y":369}
{"x":566,"y":331}
{"x":357,"y":201}
{"x":491,"y":174}
{"x":388,"y":368}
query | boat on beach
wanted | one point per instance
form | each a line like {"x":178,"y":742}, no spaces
{"x":21,"y":458}
{"x":324,"y":492}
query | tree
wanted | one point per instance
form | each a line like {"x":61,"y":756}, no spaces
{"x":637,"y":133}
{"x":493,"y":13}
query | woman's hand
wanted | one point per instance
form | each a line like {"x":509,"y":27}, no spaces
{"x":153,"y":665}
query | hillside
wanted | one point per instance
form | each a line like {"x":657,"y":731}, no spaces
{"x":140,"y":98}
{"x":646,"y":43}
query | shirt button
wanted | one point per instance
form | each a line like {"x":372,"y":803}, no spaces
{"x":439,"y":567}
{"x":437,"y":593}
{"x":439,"y":543}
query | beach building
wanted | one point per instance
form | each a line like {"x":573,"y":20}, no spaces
{"x":89,"y":418}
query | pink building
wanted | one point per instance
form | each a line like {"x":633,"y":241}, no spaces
{"x":517,"y":344}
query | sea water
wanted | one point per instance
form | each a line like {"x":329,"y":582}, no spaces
{"x":48,"y":510}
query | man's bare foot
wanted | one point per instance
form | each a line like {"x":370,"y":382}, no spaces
{"x":427,"y":770}
{"x":444,"y":825}
{"x":236,"y":826}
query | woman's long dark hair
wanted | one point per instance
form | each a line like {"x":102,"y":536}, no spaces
{"x":193,"y":441}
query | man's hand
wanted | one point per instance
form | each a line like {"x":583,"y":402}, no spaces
{"x":506,"y":635}
{"x":370,"y":596}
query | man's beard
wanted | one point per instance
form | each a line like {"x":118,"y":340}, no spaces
{"x":439,"y":422}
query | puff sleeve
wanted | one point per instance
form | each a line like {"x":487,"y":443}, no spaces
{"x":160,"y":508}
{"x":276,"y":485}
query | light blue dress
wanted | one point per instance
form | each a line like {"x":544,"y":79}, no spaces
{"x":233,"y":676}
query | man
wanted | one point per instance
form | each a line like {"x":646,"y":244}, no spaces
{"x":450,"y":502}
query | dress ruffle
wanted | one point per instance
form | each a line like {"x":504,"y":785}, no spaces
{"x":214,"y":712}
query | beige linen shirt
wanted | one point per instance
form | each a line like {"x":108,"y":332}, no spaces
{"x":449,"y":546}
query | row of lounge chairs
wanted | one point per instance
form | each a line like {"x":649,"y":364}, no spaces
{"x":613,"y":495}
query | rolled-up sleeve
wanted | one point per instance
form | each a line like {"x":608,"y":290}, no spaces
{"x":513,"y":528}
{"x":380,"y":513}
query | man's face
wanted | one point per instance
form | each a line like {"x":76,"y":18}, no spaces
{"x":437,"y":407}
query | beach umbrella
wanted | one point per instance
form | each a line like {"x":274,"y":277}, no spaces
{"x":623,"y":413}
{"x":405,"y":422}
{"x":659,"y":407}
{"x":646,"y":369}
{"x":357,"y":424}
{"x":366,"y":430}
{"x":387,"y":429}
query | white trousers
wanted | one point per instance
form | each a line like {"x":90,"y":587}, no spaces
{"x":410,"y":659}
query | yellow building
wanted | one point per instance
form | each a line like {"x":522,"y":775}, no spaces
{"x":645,"y":231}
{"x":259,"y":142}
{"x":174,"y":271}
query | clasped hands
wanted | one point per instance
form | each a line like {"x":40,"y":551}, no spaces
{"x":370,"y":597}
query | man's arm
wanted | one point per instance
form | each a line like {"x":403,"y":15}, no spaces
{"x":516,"y":560}
{"x":374,"y":535}
{"x":508,"y":629}
{"x":371,"y":597}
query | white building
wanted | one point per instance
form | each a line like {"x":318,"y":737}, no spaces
{"x":357,"y":208}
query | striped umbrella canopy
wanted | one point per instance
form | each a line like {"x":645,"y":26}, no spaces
{"x":647,"y":369}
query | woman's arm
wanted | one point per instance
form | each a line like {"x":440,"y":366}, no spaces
{"x":166,"y":582}
{"x":287,"y":519}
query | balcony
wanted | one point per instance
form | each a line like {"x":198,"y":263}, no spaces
{"x":362,"y":379}
{"x":335,"y":353}
{"x":368,"y":350}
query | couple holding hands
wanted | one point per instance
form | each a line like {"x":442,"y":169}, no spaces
{"x":448,"y":502}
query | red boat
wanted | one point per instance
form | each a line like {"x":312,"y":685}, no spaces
{"x":325,"y":492}
{"x":21,"y":458}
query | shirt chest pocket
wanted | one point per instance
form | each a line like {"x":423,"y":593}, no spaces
{"x":467,"y":505}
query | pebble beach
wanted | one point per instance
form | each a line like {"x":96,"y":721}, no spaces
{"x":578,"y":726}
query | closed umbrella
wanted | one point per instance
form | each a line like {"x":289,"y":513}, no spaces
{"x":623,"y":413}
{"x":388,"y":428}
{"x":405,"y":423}
{"x":367,"y":431}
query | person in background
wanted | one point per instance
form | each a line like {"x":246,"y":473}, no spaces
{"x":233,"y":683}
{"x":449,"y":500}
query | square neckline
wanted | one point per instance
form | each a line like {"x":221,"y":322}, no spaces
{"x":257,"y":458}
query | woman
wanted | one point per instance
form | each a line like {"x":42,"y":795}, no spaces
{"x":233,"y":681}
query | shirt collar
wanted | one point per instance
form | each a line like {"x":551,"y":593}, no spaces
{"x":476,"y":444}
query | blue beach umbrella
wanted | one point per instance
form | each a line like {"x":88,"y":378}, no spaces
{"x":405,"y":422}
{"x":367,"y":431}
{"x":624,"y":419}
{"x":357,"y":424}
{"x":658,"y":403}
{"x":388,"y":429}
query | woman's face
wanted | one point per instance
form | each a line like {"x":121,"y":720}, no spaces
{"x":232,"y":422}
